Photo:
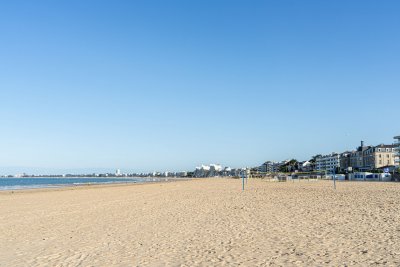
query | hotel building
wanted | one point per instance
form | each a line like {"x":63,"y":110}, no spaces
{"x":379,"y":156}
{"x":345,"y":161}
{"x":397,"y":150}
{"x":327,"y":163}
{"x":357,"y":159}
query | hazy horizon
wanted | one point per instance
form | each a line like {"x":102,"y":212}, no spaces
{"x":167,"y":86}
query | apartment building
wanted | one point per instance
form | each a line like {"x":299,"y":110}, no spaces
{"x":379,"y":156}
{"x":211,"y":170}
{"x":356,"y":158}
{"x":270,"y":166}
{"x":345,"y":160}
{"x":327,"y":162}
{"x":305,"y":166}
{"x":397,"y":149}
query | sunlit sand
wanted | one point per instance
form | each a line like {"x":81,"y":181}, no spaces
{"x":208,"y":222}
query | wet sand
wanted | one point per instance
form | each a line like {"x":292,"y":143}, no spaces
{"x":208,"y":222}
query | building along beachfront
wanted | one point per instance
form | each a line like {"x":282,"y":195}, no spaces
{"x":365,"y":158}
{"x":270,"y":166}
{"x":379,"y":156}
{"x":397,"y":150}
{"x":345,"y":161}
{"x":356,"y":158}
{"x":329,"y":163}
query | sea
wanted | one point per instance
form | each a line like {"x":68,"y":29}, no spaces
{"x":48,"y":182}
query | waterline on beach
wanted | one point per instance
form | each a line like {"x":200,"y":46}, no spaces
{"x":56,"y":182}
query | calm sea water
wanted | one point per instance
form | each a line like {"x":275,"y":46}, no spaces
{"x":28,"y":183}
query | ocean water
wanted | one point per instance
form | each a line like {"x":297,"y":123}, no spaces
{"x":30,"y":183}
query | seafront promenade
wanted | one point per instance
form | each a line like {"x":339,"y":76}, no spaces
{"x":203,"y":222}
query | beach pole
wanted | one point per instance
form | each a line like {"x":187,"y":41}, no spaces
{"x":334,"y":179}
{"x":242,"y":182}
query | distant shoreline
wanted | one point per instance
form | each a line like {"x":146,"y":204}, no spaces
{"x":68,"y":186}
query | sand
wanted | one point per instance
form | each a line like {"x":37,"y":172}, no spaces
{"x":208,"y":222}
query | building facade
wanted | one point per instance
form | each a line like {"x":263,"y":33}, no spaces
{"x":305,"y":166}
{"x":397,"y":150}
{"x":270,"y":166}
{"x":202,"y":171}
{"x":345,"y":161}
{"x":211,"y":170}
{"x":357,"y":158}
{"x":379,"y":156}
{"x":327,"y":163}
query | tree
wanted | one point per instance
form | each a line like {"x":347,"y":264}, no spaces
{"x":291,"y":165}
{"x":283,"y":168}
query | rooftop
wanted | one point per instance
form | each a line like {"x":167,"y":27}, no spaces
{"x":386,"y":146}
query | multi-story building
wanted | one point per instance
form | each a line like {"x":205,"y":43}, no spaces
{"x":236,"y":172}
{"x":345,"y":161}
{"x":215,"y":170}
{"x":227,"y":171}
{"x":211,"y":170}
{"x":356,"y":158}
{"x":379,"y":156}
{"x":202,"y":171}
{"x":327,"y":163}
{"x":270,"y":166}
{"x":266,"y":167}
{"x":397,"y":149}
{"x":305,"y":166}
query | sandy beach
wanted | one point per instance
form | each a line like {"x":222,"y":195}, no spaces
{"x":208,"y":222}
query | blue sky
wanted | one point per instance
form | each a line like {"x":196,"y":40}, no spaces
{"x":168,"y":85}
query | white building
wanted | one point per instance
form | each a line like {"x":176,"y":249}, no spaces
{"x":118,"y":172}
{"x":270,"y":166}
{"x":202,"y":171}
{"x":397,"y":149}
{"x":212,"y":170}
{"x":215,"y":170}
{"x":227,"y":171}
{"x":305,"y":166}
{"x":327,"y":163}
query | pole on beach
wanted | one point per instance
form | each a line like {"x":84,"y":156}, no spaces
{"x":242,"y":182}
{"x":334,"y":179}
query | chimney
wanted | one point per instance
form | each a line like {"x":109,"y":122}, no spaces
{"x":362,"y":143}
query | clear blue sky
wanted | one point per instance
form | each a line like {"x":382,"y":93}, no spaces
{"x":168,"y":85}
